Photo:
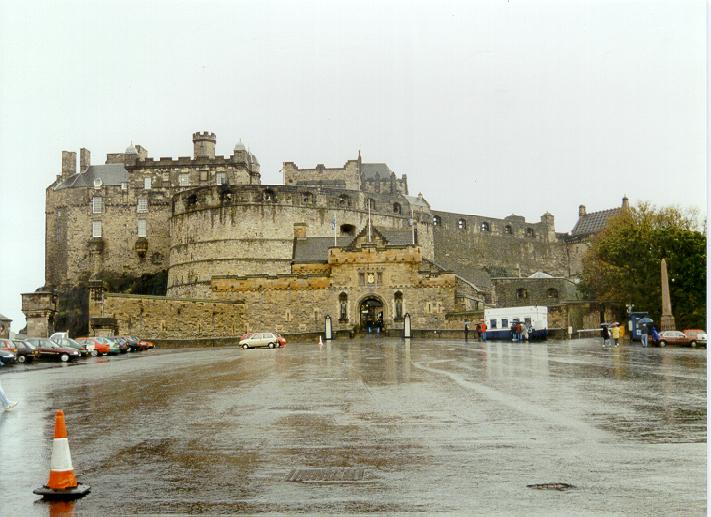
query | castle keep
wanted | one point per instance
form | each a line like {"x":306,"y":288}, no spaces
{"x":349,"y":242}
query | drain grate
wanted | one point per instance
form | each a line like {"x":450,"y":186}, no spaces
{"x":551,"y":486}
{"x":331,"y":475}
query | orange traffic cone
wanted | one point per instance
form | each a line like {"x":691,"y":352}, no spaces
{"x":62,"y":483}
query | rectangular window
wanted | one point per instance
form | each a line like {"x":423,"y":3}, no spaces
{"x":504,"y":323}
{"x":142,"y":205}
{"x":184,"y":180}
{"x":147,"y":183}
{"x":96,"y":228}
{"x":380,"y":278}
{"x":492,"y":324}
{"x":97,"y":205}
{"x":220,"y":178}
{"x":361,"y":278}
{"x":124,"y":186}
{"x":141,"y":227}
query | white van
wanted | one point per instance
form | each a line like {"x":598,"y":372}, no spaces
{"x":499,"y":321}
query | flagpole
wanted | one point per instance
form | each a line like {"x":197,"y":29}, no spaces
{"x":412,"y":223}
{"x":369,"y":220}
{"x":335,"y":242}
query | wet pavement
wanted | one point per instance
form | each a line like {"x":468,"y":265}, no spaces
{"x":367,"y":425}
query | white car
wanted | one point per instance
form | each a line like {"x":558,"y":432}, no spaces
{"x":260,"y":339}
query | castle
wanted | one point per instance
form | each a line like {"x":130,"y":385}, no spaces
{"x":348,"y":242}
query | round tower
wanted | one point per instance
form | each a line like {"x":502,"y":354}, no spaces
{"x":204,"y":145}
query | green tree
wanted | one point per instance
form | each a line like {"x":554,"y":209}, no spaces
{"x":623,"y":263}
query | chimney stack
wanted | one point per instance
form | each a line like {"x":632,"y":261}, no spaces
{"x":69,"y":163}
{"x":84,"y":159}
{"x":581,"y":210}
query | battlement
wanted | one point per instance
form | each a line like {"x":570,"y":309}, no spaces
{"x":205,"y":135}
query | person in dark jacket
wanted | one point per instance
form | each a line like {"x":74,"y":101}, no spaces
{"x":605,"y":336}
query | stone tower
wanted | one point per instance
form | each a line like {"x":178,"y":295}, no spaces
{"x":204,"y":145}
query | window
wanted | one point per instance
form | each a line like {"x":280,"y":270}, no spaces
{"x":344,"y":200}
{"x":398,"y":305}
{"x":436,"y":221}
{"x":343,"y":307}
{"x":141,"y":227}
{"x":347,"y":229}
{"x":361,"y":278}
{"x":521,"y":293}
{"x":462,"y":224}
{"x":269,"y":195}
{"x":98,"y":183}
{"x":307,"y":198}
{"x":220,"y":178}
{"x":371,"y":204}
{"x":147,"y":183}
{"x":124,"y":186}
{"x":97,"y":205}
{"x":485,"y":227}
{"x":492,"y":324}
{"x":142,"y":206}
{"x":508,"y":230}
{"x":184,"y":180}
{"x":96,"y":229}
{"x":530,"y":232}
{"x":397,"y":209}
{"x":552,"y":293}
{"x":504,"y":323}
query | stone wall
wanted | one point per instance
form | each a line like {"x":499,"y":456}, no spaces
{"x":161,"y":317}
{"x":517,"y":292}
{"x":349,"y":174}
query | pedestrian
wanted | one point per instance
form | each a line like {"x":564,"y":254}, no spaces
{"x":656,"y":338}
{"x":615,"y":333}
{"x":524,"y":332}
{"x":483,"y":330}
{"x":7,"y":404}
{"x":477,"y":331}
{"x":513,"y":331}
{"x":466,"y":330}
{"x":605,"y":336}
{"x":643,"y":334}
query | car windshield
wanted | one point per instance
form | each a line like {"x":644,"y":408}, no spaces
{"x":26,"y":344}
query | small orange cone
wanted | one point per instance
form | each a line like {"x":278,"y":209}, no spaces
{"x":62,"y":483}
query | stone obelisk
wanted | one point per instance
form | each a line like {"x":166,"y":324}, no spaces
{"x":667,"y":322}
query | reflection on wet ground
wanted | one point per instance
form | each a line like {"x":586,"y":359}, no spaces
{"x":424,"y":426}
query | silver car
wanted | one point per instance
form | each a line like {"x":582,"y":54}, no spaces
{"x":260,"y":339}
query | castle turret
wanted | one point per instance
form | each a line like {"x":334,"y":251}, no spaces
{"x":625,"y":203}
{"x":581,"y":210}
{"x":204,"y":145}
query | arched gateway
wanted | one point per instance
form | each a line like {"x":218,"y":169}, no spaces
{"x":371,"y":313}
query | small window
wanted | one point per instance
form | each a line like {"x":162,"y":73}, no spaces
{"x":371,"y":204}
{"x":552,"y":293}
{"x":98,"y":183}
{"x":492,"y":324}
{"x":361,"y":278}
{"x":307,"y":198}
{"x":124,"y":186}
{"x":530,"y":232}
{"x":508,"y":230}
{"x":147,"y":183}
{"x":343,"y":307}
{"x":462,"y":224}
{"x":220,"y":178}
{"x":398,"y":305}
{"x":521,"y":293}
{"x":436,"y":221}
{"x":141,"y":227}
{"x":97,"y":205}
{"x":485,"y":227}
{"x":504,"y":323}
{"x":347,"y":229}
{"x":269,"y":195}
{"x":397,"y":209}
{"x":142,"y":206}
{"x":184,"y":180}
{"x":344,"y":200}
{"x":96,"y":229}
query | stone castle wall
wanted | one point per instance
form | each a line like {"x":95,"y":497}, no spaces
{"x":349,"y":174}
{"x":251,"y":230}
{"x":518,"y":292}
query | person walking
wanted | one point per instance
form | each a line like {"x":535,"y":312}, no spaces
{"x":7,"y":404}
{"x":643,"y":335}
{"x":656,"y":338}
{"x":605,"y":336}
{"x":615,"y":333}
{"x":483,"y":330}
{"x":466,"y":330}
{"x":477,"y":331}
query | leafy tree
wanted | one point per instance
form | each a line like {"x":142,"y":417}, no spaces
{"x":623,"y":263}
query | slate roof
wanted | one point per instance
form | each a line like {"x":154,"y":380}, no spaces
{"x":315,"y":249}
{"x":370,"y":170}
{"x":110,"y":174}
{"x":593,"y":222}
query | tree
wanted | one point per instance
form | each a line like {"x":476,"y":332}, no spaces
{"x":623,"y":263}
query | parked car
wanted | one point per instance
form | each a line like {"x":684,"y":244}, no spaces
{"x":7,"y":344}
{"x":133,"y":344}
{"x":258,"y":339}
{"x":143,"y":343}
{"x":121,"y":342}
{"x":24,"y":352}
{"x":114,"y":348}
{"x":48,"y":349}
{"x":673,"y":337}
{"x":697,"y":337}
{"x":7,"y":357}
{"x":99,"y":347}
{"x":85,"y":349}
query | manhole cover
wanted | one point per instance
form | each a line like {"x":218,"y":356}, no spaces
{"x":551,"y":486}
{"x":332,"y":475}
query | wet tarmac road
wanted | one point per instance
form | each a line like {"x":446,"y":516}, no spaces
{"x":433,"y":426}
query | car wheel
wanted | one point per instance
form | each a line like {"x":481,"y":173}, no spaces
{"x":245,"y":346}
{"x":94,"y":353}
{"x":64,"y":358}
{"x":693,"y":344}
{"x":21,"y":359}
{"x":272,"y":345}
{"x":662,"y":344}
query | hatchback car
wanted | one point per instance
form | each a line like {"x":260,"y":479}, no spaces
{"x":114,"y":348}
{"x":85,"y":349}
{"x":99,"y":348}
{"x":697,"y":337}
{"x":25,"y":352}
{"x":258,"y":339}
{"x":673,"y":337}
{"x":48,"y":349}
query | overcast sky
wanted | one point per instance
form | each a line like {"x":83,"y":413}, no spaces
{"x":490,"y":107}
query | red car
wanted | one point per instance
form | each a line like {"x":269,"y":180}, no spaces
{"x":48,"y":349}
{"x":99,"y":347}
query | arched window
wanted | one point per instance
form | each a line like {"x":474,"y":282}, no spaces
{"x":508,"y":230}
{"x":552,"y":293}
{"x":398,"y":305}
{"x":397,"y":209}
{"x":436,"y":221}
{"x":461,"y":224}
{"x":485,"y":227}
{"x":307,"y":198}
{"x":530,"y":232}
{"x":521,"y":293}
{"x":344,"y":200}
{"x":191,"y":200}
{"x":347,"y":229}
{"x":343,"y":307}
{"x":269,"y":195}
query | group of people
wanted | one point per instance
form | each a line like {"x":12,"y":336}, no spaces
{"x":479,"y":330}
{"x":613,"y":332}
{"x":520,"y":331}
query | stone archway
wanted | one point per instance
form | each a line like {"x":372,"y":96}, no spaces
{"x":371,"y":310}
